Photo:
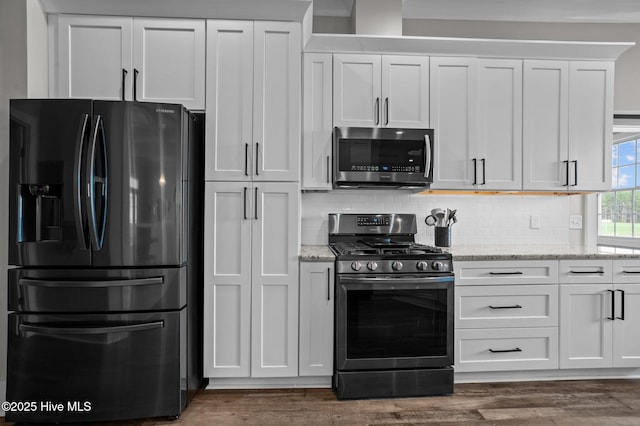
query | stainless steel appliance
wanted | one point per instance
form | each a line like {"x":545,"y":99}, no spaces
{"x":105,"y":300}
{"x":394,"y":309}
{"x":382,"y":157}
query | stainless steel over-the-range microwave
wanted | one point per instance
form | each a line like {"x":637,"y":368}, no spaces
{"x":382,"y":157}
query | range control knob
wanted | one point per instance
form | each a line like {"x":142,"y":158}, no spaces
{"x":437,"y":265}
{"x":372,"y":266}
{"x":422,"y":265}
{"x":397,"y":265}
{"x":356,"y":266}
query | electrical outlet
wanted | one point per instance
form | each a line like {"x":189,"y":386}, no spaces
{"x":534,"y":221}
{"x":575,"y":221}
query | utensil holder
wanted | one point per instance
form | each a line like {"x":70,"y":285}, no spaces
{"x":443,"y":236}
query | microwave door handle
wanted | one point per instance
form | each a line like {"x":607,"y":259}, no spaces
{"x":427,"y":156}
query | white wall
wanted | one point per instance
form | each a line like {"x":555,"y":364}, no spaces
{"x":483,"y":220}
{"x":23,"y":72}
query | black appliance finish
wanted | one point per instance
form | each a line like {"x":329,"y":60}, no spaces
{"x":394,"y":309}
{"x":105,"y":302}
{"x":382,"y":157}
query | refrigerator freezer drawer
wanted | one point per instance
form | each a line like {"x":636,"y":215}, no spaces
{"x":97,"y":290}
{"x":76,"y":368}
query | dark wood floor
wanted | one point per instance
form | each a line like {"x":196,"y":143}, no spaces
{"x":584,"y":402}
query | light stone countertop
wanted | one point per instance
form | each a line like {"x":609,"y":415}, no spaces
{"x":541,"y":252}
{"x":316,"y":254}
{"x":499,"y":252}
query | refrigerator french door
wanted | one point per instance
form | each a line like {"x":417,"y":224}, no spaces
{"x":100,"y":219}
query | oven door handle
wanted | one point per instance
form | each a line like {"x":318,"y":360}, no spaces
{"x":398,"y":283}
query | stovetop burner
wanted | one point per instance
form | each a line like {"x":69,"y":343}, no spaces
{"x":365,"y":248}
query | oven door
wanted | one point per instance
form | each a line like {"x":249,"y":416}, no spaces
{"x":392,"y":322}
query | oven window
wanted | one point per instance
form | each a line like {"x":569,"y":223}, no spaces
{"x":380,"y":155}
{"x":396,"y":323}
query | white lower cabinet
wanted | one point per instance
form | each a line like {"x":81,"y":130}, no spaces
{"x":506,"y":315}
{"x":251,"y":279}
{"x":600,"y":317}
{"x":316,"y":318}
{"x":500,"y":349}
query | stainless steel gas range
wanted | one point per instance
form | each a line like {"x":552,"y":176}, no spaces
{"x":394,"y":309}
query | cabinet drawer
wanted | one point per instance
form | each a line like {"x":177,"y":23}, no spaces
{"x":626,"y":271}
{"x":585,"y":271}
{"x":501,"y":349}
{"x":507,"y":306}
{"x":506,"y":272}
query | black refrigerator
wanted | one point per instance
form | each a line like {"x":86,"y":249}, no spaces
{"x":105,"y":306}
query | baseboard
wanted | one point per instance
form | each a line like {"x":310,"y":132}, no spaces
{"x":3,"y":394}
{"x":542,"y":375}
{"x":270,"y":383}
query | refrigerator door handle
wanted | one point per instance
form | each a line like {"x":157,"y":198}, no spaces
{"x":96,"y":231}
{"x":34,"y":282}
{"x":77,"y":187}
{"x":35,"y":328}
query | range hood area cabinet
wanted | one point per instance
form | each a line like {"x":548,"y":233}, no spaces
{"x":567,"y":135}
{"x":253,"y":101}
{"x":380,"y":91}
{"x":500,"y":124}
{"x":125,"y":58}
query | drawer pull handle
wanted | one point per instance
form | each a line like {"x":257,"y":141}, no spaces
{"x":506,"y":273}
{"x":505,"y":307}
{"x":499,"y":351}
{"x":586,"y":272}
{"x":631,"y":272}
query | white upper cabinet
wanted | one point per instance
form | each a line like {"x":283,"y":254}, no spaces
{"x":155,"y":60}
{"x":317,"y":129}
{"x":567,"y":133}
{"x":168,"y":61}
{"x":356,"y":90}
{"x":453,"y":118}
{"x":253,"y":101}
{"x":405,"y":91}
{"x":94,"y":57}
{"x":498,"y":164}
{"x":590,"y":124}
{"x":380,"y":91}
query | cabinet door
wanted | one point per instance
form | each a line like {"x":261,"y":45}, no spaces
{"x":590,"y":124}
{"x":276,"y":97}
{"x":93,"y":55}
{"x":274,"y":323}
{"x":227,"y":279}
{"x":356,"y":90}
{"x":316,"y":318}
{"x":626,"y":345}
{"x":405,"y":91}
{"x":545,"y":131}
{"x":228,"y":133}
{"x":453,"y":116}
{"x":499,"y":162}
{"x":317,"y":121}
{"x":586,"y":330}
{"x":168,"y":61}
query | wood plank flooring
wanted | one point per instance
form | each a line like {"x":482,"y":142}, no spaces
{"x":582,"y":402}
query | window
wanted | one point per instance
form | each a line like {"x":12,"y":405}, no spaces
{"x":619,"y":209}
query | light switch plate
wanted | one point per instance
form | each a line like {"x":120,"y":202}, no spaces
{"x":534,"y":221}
{"x":575,"y":221}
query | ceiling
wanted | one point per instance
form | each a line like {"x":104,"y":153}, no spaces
{"x":602,"y":11}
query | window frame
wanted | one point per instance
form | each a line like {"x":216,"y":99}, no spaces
{"x":628,"y":127}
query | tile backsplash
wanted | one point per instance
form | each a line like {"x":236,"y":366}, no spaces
{"x":482,"y":219}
